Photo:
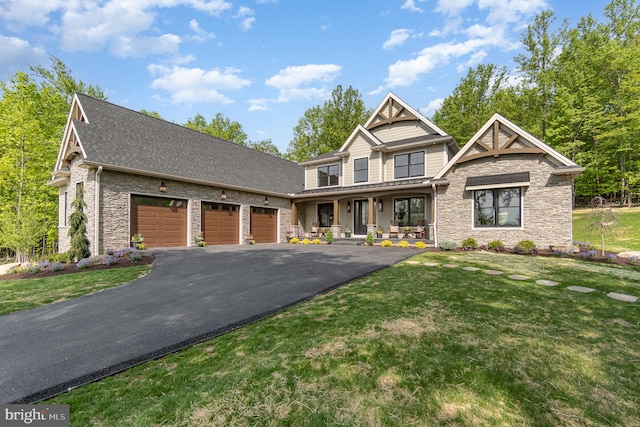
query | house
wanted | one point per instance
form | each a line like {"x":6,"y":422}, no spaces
{"x":398,"y":172}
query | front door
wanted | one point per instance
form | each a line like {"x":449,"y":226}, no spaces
{"x":361,"y":216}
{"x":325,"y":214}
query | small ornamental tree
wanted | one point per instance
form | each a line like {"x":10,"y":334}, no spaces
{"x":78,"y":228}
{"x":601,"y":219}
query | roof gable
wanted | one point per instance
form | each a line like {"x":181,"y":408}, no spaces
{"x":392,"y":110}
{"x":359,"y":130}
{"x":500,"y":137}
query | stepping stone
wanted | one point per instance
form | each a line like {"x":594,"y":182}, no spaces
{"x":471,"y":268}
{"x":450,"y":265}
{"x":622,"y":297}
{"x":544,"y":282}
{"x":413,"y":262}
{"x":430,"y":264}
{"x":518,"y":277}
{"x":580,"y":289}
{"x":494,"y":272}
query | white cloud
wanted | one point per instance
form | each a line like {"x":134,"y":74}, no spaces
{"x":475,"y":59}
{"x":301,"y":82}
{"x":432,"y":107}
{"x":188,"y":85}
{"x":200,"y":34}
{"x":452,"y":7}
{"x":247,"y":18}
{"x":396,"y":38}
{"x":410,"y":5}
{"x":260,"y":104}
{"x":508,"y":11}
{"x":26,"y":13}
{"x":15,"y":52}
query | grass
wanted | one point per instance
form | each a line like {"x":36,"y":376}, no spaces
{"x":408,"y":345}
{"x":625,"y":235}
{"x":23,"y":294}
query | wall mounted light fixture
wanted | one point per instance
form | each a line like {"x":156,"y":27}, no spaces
{"x":223,"y":195}
{"x":163,"y":187}
{"x":348,"y":206}
{"x":266,"y":200}
{"x":380,"y":205}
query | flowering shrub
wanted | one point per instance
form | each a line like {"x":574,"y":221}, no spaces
{"x":44,"y":264}
{"x":306,"y":241}
{"x":447,"y":245}
{"x":611,"y":257}
{"x":109,"y":251}
{"x":469,"y":244}
{"x":496,"y":245}
{"x":560,"y":253}
{"x":83,"y":263}
{"x":421,"y":245}
{"x":120,"y":253}
{"x":386,"y":243}
{"x":56,"y":266}
{"x":34,"y":268}
{"x":403,"y":244}
{"x":294,"y":240}
{"x":316,"y":241}
{"x":135,"y":256}
{"x":110,"y":260}
{"x":588,"y":254}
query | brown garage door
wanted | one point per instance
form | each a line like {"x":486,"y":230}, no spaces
{"x":161,"y":221}
{"x":220,"y":224}
{"x":264,"y":225}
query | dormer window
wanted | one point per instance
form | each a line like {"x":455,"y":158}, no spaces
{"x":408,"y":165}
{"x":361,"y":170}
{"x":328,"y":175}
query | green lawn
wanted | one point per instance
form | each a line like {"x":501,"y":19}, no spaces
{"x":408,"y":345}
{"x":23,"y":294}
{"x":625,"y":234}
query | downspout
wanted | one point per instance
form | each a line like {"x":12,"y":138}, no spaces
{"x":435,"y":214}
{"x":96,"y":213}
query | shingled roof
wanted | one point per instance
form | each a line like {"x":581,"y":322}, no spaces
{"x":119,"y":138}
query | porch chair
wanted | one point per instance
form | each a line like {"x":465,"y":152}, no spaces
{"x":420,"y":229}
{"x":314,"y":230}
{"x":394,"y":230}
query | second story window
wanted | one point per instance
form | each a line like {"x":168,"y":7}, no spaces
{"x":408,"y":165}
{"x":328,"y":175}
{"x":361,"y":170}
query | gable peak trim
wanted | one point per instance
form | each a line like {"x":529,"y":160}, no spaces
{"x":385,"y":112}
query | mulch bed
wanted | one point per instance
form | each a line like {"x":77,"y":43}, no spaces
{"x":71,"y":268}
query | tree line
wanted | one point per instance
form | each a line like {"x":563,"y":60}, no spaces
{"x":577,"y":89}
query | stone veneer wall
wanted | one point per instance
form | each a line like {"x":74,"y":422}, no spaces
{"x":87,"y":177}
{"x":547,"y":203}
{"x":115,"y":194}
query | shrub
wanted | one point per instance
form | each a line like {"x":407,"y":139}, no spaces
{"x":84,"y":263}
{"x":329,"y":237}
{"x":369,"y":240}
{"x":483,"y":247}
{"x":633,"y":259}
{"x":135,"y":256}
{"x":62,"y":257}
{"x":559,"y":252}
{"x":306,"y":241}
{"x":421,"y":245}
{"x":386,"y":243}
{"x":120,"y":253}
{"x":17,"y":269}
{"x":469,"y":244}
{"x":403,"y":244}
{"x":496,"y":245}
{"x":56,"y":266}
{"x":44,"y":264}
{"x":141,"y":246}
{"x":447,"y":245}
{"x":34,"y":268}
{"x":611,"y":257}
{"x":525,"y":247}
{"x":294,"y":240}
{"x":110,"y":260}
{"x":109,"y":251}
{"x":589,"y":254}
{"x":316,"y":241}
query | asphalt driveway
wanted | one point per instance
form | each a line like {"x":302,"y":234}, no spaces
{"x":191,"y":295}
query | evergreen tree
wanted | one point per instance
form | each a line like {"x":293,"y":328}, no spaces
{"x":78,"y":228}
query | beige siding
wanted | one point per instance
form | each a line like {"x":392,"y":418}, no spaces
{"x":435,"y":159}
{"x":311,"y":177}
{"x":389,"y":166}
{"x":546,"y":217}
{"x":359,"y":148}
{"x":374,"y":167}
{"x":401,"y":130}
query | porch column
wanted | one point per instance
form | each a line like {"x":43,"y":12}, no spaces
{"x":371,"y":226}
{"x":294,"y":214}
{"x":336,"y":213}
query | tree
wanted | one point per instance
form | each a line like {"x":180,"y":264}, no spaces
{"x":472,"y":103}
{"x":266,"y":146}
{"x":323,"y":129}
{"x":152,"y":114}
{"x":220,"y":126}
{"x":59,"y":78}
{"x":601,"y":218}
{"x":78,"y":228}
{"x":537,"y":66}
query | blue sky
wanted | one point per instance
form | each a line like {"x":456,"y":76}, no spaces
{"x":264,"y":62}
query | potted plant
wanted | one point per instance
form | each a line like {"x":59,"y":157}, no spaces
{"x":347,"y":232}
{"x":137,"y":240}
{"x":199,"y":240}
{"x":289,"y":235}
{"x":379,"y":233}
{"x":248,"y":238}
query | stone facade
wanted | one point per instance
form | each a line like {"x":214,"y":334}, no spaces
{"x":116,"y":189}
{"x":546,"y":210}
